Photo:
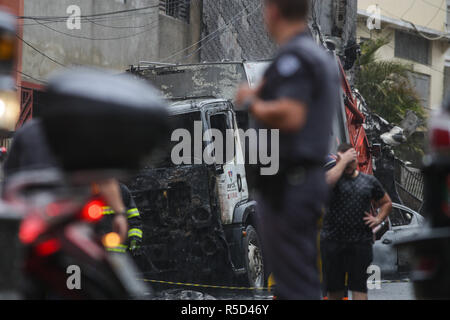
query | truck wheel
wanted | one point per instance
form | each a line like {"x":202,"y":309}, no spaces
{"x":254,"y":263}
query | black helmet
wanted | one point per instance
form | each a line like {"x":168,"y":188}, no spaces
{"x":95,"y":120}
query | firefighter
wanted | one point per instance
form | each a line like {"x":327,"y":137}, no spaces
{"x":129,"y":211}
{"x":298,"y":96}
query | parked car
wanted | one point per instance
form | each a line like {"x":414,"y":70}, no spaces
{"x":402,"y":223}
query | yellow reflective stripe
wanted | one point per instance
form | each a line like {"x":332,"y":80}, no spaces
{"x":121,"y":250}
{"x":135,"y":233}
{"x":107,"y":210}
{"x":132,"y":213}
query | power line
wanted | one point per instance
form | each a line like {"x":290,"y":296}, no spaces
{"x":40,"y":52}
{"x":100,"y":39}
{"x":437,"y":12}
{"x":217,"y":35}
{"x":88,"y":16}
{"x":414,"y":26}
{"x":409,"y":9}
{"x":28,"y":76}
{"x":433,"y":5}
{"x":119,"y":27}
{"x":98,"y":19}
{"x":392,"y":47}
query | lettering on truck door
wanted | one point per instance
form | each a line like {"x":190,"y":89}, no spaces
{"x":229,"y":180}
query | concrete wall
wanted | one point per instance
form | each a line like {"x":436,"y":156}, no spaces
{"x":176,"y":35}
{"x":234,"y":29}
{"x":112,"y":42}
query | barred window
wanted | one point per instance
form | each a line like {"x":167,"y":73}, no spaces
{"x":176,"y":8}
{"x":411,"y":47}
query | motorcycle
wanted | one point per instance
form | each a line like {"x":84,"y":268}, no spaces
{"x":63,"y":257}
{"x":89,"y":110}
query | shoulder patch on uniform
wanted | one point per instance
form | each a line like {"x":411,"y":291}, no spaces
{"x":288,"y":64}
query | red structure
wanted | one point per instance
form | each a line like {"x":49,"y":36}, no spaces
{"x":27,"y":98}
{"x":355,"y":121}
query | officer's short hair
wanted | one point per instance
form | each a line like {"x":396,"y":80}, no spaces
{"x":344,"y":147}
{"x":293,"y":9}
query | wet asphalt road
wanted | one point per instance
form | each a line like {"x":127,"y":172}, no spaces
{"x":388,"y":291}
{"x":393,"y":291}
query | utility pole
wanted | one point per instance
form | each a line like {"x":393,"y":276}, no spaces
{"x":337,"y":21}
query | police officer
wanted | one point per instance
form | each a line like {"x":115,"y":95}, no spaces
{"x":298,"y":96}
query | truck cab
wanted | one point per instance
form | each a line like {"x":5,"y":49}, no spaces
{"x":199,"y":222}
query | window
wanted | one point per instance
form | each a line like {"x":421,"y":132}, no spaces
{"x":447,"y":82}
{"x":176,"y":8}
{"x":411,"y":47}
{"x":221,"y":122}
{"x":448,"y":15}
{"x":400,"y":217}
{"x":163,"y":158}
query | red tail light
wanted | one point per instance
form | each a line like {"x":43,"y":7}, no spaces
{"x":48,"y":247}
{"x":30,"y":229}
{"x":93,"y":211}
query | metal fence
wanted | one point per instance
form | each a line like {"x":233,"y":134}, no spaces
{"x":409,"y":183}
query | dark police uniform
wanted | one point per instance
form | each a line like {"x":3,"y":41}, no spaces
{"x":290,"y":203}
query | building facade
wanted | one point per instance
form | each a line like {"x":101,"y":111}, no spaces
{"x":110,"y":34}
{"x":234,"y":29}
{"x":419,"y":37}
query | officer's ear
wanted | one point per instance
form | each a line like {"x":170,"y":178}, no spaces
{"x":271,"y":12}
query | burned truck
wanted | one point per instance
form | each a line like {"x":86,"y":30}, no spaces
{"x":199,"y":221}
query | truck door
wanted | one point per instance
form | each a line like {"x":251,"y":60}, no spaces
{"x":231,"y":185}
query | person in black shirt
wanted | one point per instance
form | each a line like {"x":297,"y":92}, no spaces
{"x":299,"y":96}
{"x":347,"y":236}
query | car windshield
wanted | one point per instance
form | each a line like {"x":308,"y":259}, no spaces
{"x":163,"y":158}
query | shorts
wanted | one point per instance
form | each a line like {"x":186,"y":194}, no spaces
{"x":340,"y":258}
